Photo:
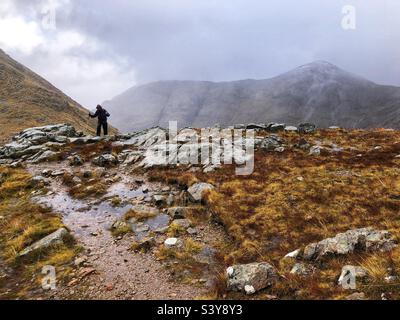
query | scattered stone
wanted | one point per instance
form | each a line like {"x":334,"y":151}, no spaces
{"x":363,"y":240}
{"x":192,"y":231}
{"x":105,"y":160}
{"x":80,"y":261}
{"x":315,"y":150}
{"x":307,"y":128}
{"x":391,"y":279}
{"x":251,"y":278}
{"x":303,"y":145}
{"x":57,"y":173}
{"x":276,"y":127}
{"x":302,"y":269}
{"x":294,"y":254}
{"x":38,"y":181}
{"x":159,"y":200}
{"x":141,"y":227}
{"x":291,"y":129}
{"x":56,"y":238}
{"x":271,"y":143}
{"x":177,"y":212}
{"x":182,"y":223}
{"x":75,"y":160}
{"x":145,"y":244}
{"x":356,"y":296}
{"x":86,"y":272}
{"x":171,"y":242}
{"x":196,"y":191}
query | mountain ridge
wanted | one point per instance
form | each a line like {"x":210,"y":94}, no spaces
{"x":318,"y":92}
{"x":27,"y":100}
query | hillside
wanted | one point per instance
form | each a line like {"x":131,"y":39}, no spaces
{"x":28,"y":100}
{"x":318,"y":92}
{"x":117,"y":224}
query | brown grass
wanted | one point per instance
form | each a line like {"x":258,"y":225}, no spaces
{"x":272,"y":212}
{"x":24,"y":223}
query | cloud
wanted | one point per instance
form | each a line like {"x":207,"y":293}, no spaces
{"x":76,"y":62}
{"x":111,"y":45}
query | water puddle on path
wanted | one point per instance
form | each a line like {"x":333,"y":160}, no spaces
{"x":94,"y":216}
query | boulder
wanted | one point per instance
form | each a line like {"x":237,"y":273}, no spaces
{"x":276,"y":127}
{"x":105,"y":160}
{"x":177,"y":212}
{"x":56,"y":238}
{"x":291,"y":129}
{"x":196,"y":191}
{"x":75,"y":160}
{"x":45,"y":156}
{"x":271,"y":143}
{"x":38,"y":181}
{"x":307,"y":128}
{"x":250,"y":278}
{"x":361,"y":240}
{"x":172,"y":242}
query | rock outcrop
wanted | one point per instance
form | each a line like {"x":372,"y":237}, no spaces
{"x":252,"y":277}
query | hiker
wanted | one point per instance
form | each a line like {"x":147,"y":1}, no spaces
{"x":102,"y":115}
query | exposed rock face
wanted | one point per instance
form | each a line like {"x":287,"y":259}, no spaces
{"x":251,"y":278}
{"x":196,"y":191}
{"x":56,"y":238}
{"x":34,"y":144}
{"x":365,"y":239}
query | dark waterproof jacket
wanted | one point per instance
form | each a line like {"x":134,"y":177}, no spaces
{"x":102,"y":115}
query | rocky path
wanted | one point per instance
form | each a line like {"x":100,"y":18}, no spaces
{"x":107,"y":268}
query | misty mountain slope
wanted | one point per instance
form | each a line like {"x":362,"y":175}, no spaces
{"x":28,"y":100}
{"x":318,"y":92}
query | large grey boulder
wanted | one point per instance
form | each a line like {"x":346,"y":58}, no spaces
{"x":365,"y":239}
{"x":56,"y":238}
{"x":196,"y":191}
{"x":252,"y":277}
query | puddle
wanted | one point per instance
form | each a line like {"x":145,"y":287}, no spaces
{"x":155,"y":223}
{"x":85,"y":217}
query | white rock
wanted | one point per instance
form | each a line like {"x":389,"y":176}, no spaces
{"x":171,"y":242}
{"x":249,"y":289}
{"x":294,"y":254}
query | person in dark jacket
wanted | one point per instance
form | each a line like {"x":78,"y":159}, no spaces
{"x":102,"y":115}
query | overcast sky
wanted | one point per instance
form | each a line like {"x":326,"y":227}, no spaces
{"x":100,"y":48}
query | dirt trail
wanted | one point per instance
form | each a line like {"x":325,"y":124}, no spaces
{"x":114,"y":271}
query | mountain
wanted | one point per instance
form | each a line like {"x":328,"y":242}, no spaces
{"x":27,"y":100}
{"x":318,"y":92}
